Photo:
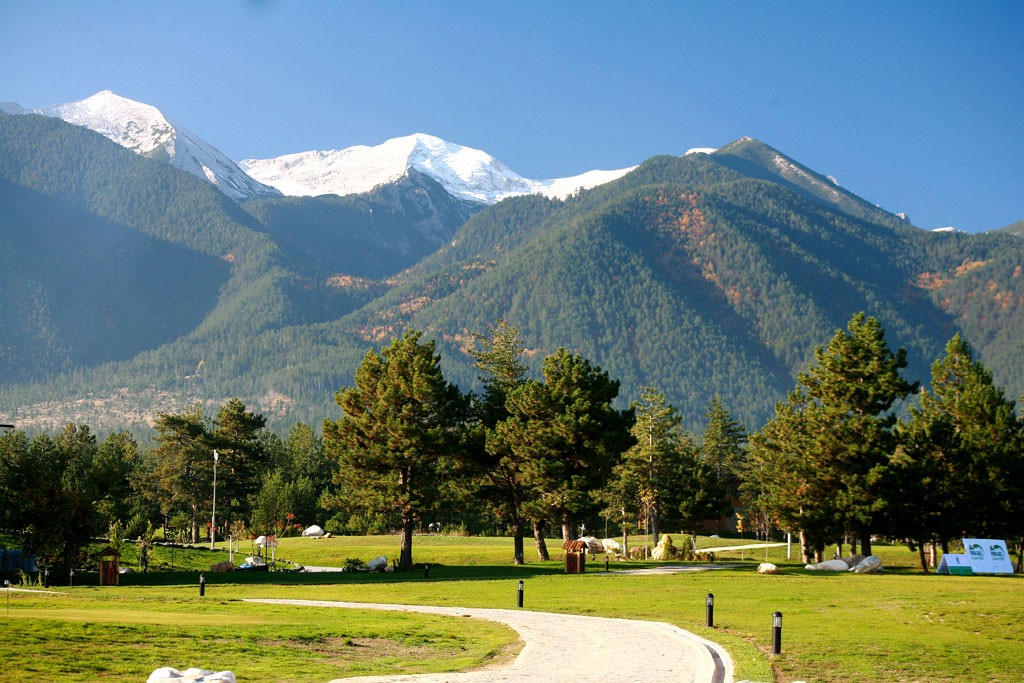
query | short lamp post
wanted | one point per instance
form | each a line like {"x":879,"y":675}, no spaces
{"x":519,"y":595}
{"x":709,"y":603}
{"x":213,"y":518}
{"x":777,"y":633}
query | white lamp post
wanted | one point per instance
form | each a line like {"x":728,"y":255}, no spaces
{"x":213,"y":518}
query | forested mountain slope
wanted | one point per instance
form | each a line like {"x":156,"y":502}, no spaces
{"x":700,"y":275}
{"x":371,"y":235}
{"x":691,"y":277}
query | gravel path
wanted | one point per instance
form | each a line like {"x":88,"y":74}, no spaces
{"x":570,"y":648}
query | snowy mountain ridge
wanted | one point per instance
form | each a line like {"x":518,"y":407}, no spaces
{"x":145,"y":130}
{"x":466,"y":173}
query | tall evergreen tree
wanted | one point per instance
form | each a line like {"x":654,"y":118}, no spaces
{"x":650,"y":482}
{"x":722,"y":448}
{"x":574,"y":433}
{"x":49,"y":495}
{"x":959,"y":455}
{"x":400,"y":427}
{"x":114,"y":469}
{"x":498,"y":469}
{"x":785,"y":480}
{"x":853,"y":383}
{"x":242,"y":463}
{"x":181,"y":473}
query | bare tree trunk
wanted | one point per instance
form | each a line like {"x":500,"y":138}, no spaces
{"x":805,"y":549}
{"x":865,"y":543}
{"x":538,"y":539}
{"x":405,"y":554}
{"x":195,"y":523}
{"x":654,"y":524}
{"x":924,"y":561}
{"x":518,"y":556}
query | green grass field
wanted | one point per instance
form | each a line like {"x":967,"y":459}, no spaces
{"x":900,"y":626}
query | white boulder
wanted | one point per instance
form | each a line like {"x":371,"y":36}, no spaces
{"x":767,"y":568}
{"x":313,"y":531}
{"x":869,"y":565}
{"x":377,"y":564}
{"x":829,"y":566}
{"x":192,"y":675}
{"x":612,"y":547}
{"x":594,"y":546}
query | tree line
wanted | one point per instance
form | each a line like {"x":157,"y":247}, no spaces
{"x":529,"y":456}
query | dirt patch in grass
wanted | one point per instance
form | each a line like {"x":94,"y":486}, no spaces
{"x":341,"y":650}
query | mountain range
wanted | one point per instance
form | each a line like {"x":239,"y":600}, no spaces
{"x":145,"y":275}
{"x":465,"y":173}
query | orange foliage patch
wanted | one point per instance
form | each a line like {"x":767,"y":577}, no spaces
{"x":350,"y":282}
{"x":930,"y":281}
{"x":968,"y":265}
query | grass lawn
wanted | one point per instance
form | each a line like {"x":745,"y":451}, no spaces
{"x":121,"y":634}
{"x":900,"y":626}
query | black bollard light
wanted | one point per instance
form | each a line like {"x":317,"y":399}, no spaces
{"x":202,"y":585}
{"x":606,"y":563}
{"x":519,"y":595}
{"x":709,"y":603}
{"x":777,"y":633}
{"x":426,"y":571}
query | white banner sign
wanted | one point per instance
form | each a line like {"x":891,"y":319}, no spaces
{"x":988,"y":556}
{"x":955,"y":564}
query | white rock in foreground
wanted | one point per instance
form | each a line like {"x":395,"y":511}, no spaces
{"x":313,"y":530}
{"x":192,"y":675}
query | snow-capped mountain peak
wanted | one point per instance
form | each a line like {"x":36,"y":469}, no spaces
{"x":134,"y":125}
{"x":464,"y":172}
{"x":145,"y":130}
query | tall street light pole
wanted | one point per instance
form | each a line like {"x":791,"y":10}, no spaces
{"x":213,"y":518}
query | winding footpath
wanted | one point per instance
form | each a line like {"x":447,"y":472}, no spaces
{"x":563,"y":647}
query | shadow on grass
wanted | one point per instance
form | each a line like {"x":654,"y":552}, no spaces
{"x":418,"y":574}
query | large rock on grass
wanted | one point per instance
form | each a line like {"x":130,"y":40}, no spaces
{"x":829,"y":566}
{"x":612,"y":547}
{"x":169,"y":674}
{"x":869,"y":565}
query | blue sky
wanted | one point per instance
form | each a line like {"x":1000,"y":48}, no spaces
{"x":916,"y":106}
